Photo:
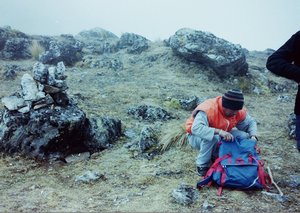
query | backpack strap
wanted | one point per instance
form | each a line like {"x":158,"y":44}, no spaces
{"x":223,"y":178}
{"x":220,"y":189}
{"x":207,"y":180}
{"x":263,"y":177}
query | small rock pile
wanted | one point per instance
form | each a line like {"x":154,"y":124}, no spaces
{"x":41,"y":120}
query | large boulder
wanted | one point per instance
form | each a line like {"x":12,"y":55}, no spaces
{"x":225,"y":58}
{"x":98,"y":41}
{"x":14,"y":44}
{"x":63,"y":48}
{"x":133,"y":43}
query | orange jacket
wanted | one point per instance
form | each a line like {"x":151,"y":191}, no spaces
{"x":216,"y":118}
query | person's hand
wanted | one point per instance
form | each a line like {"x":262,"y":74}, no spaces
{"x":226,"y":135}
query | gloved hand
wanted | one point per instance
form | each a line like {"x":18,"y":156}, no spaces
{"x":226,"y":135}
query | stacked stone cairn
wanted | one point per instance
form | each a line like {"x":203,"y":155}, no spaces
{"x":42,"y":122}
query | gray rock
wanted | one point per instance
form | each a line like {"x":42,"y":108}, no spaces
{"x":65,"y":48}
{"x":148,"y":138}
{"x":14,"y":44}
{"x":225,"y":58}
{"x":133,"y":43}
{"x":185,"y":195}
{"x":294,"y":181}
{"x":98,"y":41}
{"x":149,"y":113}
{"x":101,"y":133}
{"x":17,"y":48}
{"x":40,"y":72}
{"x":78,"y":157}
{"x":189,"y":104}
{"x":88,"y":177}
{"x":50,"y":126}
{"x":13,"y":102}
{"x":31,"y":90}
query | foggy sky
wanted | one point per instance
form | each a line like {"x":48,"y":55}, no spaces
{"x":254,"y":24}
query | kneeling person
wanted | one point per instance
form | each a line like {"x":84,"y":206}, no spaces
{"x":223,"y":117}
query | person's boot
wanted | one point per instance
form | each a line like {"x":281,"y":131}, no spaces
{"x":201,"y":171}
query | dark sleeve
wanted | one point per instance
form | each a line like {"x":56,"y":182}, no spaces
{"x":282,"y":61}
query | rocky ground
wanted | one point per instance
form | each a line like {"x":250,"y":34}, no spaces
{"x":128,"y":182}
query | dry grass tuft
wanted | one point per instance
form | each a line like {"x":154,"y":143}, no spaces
{"x":36,"y":49}
{"x":174,"y":135}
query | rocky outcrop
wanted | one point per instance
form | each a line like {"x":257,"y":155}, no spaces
{"x":98,"y":41}
{"x":14,"y":44}
{"x":149,"y":113}
{"x":41,"y":121}
{"x":64,"y":48}
{"x":133,"y":43}
{"x":225,"y":58}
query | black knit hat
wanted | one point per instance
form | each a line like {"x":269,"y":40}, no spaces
{"x":233,"y":99}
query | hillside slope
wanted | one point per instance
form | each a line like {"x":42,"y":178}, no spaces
{"x":131,"y":183}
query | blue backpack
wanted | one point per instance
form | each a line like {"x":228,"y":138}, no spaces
{"x":238,"y":166}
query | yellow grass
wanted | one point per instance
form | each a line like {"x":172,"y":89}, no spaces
{"x":36,"y":49}
{"x":174,"y":135}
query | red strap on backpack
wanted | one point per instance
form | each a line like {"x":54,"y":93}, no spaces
{"x":220,"y":191}
{"x":223,"y":178}
{"x":263,"y":177}
{"x":214,"y":167}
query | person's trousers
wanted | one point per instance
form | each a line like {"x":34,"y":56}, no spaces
{"x":208,"y":149}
